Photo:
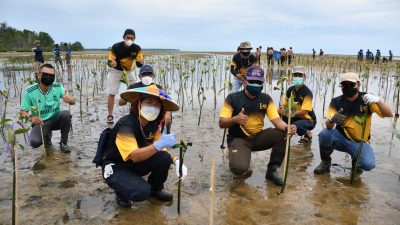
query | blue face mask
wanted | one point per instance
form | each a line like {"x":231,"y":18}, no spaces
{"x":297,"y":81}
{"x":254,"y":89}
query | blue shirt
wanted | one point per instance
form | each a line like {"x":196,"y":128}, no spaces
{"x":56,"y":51}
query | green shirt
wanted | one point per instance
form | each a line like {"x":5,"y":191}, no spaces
{"x":48,"y":103}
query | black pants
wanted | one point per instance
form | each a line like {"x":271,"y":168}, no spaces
{"x":60,"y":122}
{"x":240,"y":149}
{"x":302,"y":125}
{"x":127,"y":180}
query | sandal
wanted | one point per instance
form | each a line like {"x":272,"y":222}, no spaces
{"x":110,"y":119}
{"x":306,"y":138}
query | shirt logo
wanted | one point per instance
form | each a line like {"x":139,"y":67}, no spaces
{"x":263,"y":106}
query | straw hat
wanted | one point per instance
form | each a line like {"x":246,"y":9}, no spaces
{"x":133,"y":95}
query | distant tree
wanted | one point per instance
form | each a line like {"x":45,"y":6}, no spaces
{"x":76,"y":46}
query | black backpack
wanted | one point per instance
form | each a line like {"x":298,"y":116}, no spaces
{"x":101,"y":147}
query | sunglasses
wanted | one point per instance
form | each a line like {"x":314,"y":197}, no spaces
{"x":47,"y":74}
{"x":347,"y":84}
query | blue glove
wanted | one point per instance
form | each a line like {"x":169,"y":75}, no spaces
{"x":166,"y":141}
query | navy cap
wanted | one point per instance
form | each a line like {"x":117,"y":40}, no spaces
{"x":146,"y":69}
{"x":255,"y":73}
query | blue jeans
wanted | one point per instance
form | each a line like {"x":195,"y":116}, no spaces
{"x":236,"y":84}
{"x":332,"y":138}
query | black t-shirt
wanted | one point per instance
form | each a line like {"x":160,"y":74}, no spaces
{"x":125,"y":56}
{"x":303,"y":96}
{"x":129,"y":126}
{"x":240,"y":64}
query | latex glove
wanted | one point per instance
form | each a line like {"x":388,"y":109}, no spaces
{"x":370,"y":98}
{"x":166,"y":141}
{"x":184,"y":169}
{"x":338,"y":117}
{"x":108,"y":171}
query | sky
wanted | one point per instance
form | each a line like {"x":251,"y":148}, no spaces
{"x":336,"y":26}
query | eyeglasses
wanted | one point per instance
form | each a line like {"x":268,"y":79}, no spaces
{"x":347,"y":84}
{"x":147,"y":74}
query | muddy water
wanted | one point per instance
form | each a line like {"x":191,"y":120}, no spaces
{"x":68,"y":189}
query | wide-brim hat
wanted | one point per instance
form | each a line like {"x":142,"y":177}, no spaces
{"x":133,"y":95}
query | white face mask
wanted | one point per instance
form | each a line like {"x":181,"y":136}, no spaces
{"x":128,"y":42}
{"x":147,"y":80}
{"x":150,"y":113}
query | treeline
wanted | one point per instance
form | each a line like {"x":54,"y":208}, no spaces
{"x":12,"y":39}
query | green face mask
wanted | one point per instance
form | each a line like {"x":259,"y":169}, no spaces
{"x":297,"y":81}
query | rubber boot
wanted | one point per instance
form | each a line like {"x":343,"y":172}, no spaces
{"x":273,"y":175}
{"x":325,"y":164}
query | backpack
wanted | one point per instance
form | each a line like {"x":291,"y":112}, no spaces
{"x":101,"y":147}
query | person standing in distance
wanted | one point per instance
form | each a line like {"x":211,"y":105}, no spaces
{"x":120,"y":58}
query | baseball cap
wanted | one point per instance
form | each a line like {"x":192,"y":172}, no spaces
{"x":255,"y":73}
{"x":352,"y":77}
{"x":299,"y":69}
{"x":146,"y":69}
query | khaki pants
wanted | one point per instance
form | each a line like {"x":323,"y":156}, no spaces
{"x":240,"y":149}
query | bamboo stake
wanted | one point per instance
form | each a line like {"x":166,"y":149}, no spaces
{"x":45,"y":152}
{"x":212,"y":190}
{"x":287,"y":149}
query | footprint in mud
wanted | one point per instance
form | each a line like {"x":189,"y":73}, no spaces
{"x":38,"y":167}
{"x":67,"y":184}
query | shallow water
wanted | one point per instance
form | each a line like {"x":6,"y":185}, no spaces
{"x":68,"y":189}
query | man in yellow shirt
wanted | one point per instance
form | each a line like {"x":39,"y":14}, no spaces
{"x":343,"y":130}
{"x":243,"y":113}
{"x":121,"y":57}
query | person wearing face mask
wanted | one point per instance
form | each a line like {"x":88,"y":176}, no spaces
{"x":120,"y":58}
{"x":45,"y":96}
{"x":137,"y":146}
{"x":146,"y":76}
{"x":243,"y":114}
{"x":240,"y":62}
{"x":344,"y":127}
{"x":304,"y":117}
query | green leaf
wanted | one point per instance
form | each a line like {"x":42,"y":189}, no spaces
{"x":21,"y":146}
{"x":21,"y":131}
{"x":398,"y":135}
{"x":176,"y":146}
{"x":4,"y":121}
{"x":10,"y":137}
{"x":360,"y":119}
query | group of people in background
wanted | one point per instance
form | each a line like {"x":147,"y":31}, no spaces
{"x":369,"y":56}
{"x":39,"y":59}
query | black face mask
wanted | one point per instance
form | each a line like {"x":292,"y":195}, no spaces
{"x":47,"y":79}
{"x":349,"y":91}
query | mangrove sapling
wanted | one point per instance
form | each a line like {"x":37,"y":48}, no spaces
{"x":11,"y":147}
{"x":327,"y":82}
{"x":4,"y":95}
{"x":182,"y":150}
{"x":363,"y":121}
